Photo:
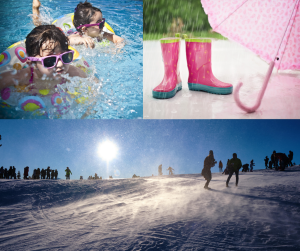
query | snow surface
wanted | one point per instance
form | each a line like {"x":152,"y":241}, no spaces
{"x":153,"y":213}
{"x":231,"y":63}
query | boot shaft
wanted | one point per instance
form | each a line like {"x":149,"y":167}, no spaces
{"x":170,"y":48}
{"x":198,"y":55}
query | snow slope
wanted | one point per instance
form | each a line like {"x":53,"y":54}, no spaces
{"x":153,"y":213}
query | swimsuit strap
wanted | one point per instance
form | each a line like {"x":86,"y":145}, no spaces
{"x":31,"y":79}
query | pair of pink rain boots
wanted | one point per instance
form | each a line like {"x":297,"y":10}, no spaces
{"x":201,"y":78}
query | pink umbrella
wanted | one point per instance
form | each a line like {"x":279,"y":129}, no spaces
{"x":269,"y":28}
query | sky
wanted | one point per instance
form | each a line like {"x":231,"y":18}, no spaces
{"x":142,"y":144}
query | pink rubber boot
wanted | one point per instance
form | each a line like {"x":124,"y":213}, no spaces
{"x":171,"y":82}
{"x":201,"y":78}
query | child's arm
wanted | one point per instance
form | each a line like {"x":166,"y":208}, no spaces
{"x":114,"y":38}
{"x":10,"y":79}
{"x":76,"y":72}
{"x":77,"y":39}
{"x":36,"y":12}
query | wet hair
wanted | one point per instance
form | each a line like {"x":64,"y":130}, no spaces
{"x":83,"y":14}
{"x":41,"y":34}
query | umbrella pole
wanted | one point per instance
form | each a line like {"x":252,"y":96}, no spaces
{"x":260,"y":96}
{"x":267,"y":78}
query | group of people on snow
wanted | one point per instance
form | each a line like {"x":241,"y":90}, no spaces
{"x":8,"y":174}
{"x":279,"y":161}
{"x":233,"y":166}
{"x":37,"y":173}
{"x":170,"y":169}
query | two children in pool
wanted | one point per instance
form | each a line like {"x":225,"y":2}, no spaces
{"x":47,"y":49}
{"x":89,"y":23}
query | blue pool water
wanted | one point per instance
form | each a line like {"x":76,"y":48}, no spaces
{"x":120,"y":72}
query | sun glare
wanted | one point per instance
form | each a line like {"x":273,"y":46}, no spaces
{"x":107,"y":150}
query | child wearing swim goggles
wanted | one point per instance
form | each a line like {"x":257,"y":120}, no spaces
{"x":89,"y":23}
{"x":48,"y":57}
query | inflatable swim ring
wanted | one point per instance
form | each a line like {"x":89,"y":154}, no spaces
{"x":19,"y":97}
{"x":65,"y":23}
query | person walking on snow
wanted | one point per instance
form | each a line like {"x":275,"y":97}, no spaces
{"x":209,"y":162}
{"x":170,"y":170}
{"x":220,"y":166}
{"x":251,"y":165}
{"x":160,"y":170}
{"x":68,"y":172}
{"x":291,"y":155}
{"x":234,"y":166}
{"x":266,"y":162}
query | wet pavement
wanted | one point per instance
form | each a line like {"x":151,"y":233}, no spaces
{"x":231,"y":63}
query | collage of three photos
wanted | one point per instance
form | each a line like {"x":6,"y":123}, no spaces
{"x":197,"y":101}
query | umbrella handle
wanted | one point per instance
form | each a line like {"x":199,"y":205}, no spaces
{"x":260,"y":96}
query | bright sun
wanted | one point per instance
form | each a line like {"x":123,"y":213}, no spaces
{"x":107,"y":150}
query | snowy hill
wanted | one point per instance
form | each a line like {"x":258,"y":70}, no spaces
{"x":153,"y":213}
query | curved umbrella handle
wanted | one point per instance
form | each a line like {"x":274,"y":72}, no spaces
{"x":260,"y":96}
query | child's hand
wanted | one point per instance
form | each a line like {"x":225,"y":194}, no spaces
{"x":88,"y":42}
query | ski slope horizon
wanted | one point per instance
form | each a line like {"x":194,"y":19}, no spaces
{"x":153,"y":213}
{"x":142,"y":145}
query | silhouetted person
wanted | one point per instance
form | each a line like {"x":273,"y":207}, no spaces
{"x":52,"y":174}
{"x":6,"y":174}
{"x":209,"y":162}
{"x":245,"y":168}
{"x":48,"y":170}
{"x":160,"y":170}
{"x":266,"y":161}
{"x":38,"y":173}
{"x":26,"y":171}
{"x":43,"y":174}
{"x":10,"y":172}
{"x":170,"y":170}
{"x":1,"y":172}
{"x":19,"y":175}
{"x":34,"y":174}
{"x":252,"y":164}
{"x":290,"y":156}
{"x":220,"y":166}
{"x":55,"y":174}
{"x":14,"y":172}
{"x":274,"y":160}
{"x":68,"y":172}
{"x":270,"y":164}
{"x":234,"y":166}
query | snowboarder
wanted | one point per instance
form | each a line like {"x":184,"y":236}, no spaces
{"x":209,"y":162}
{"x":234,"y":166}
{"x":160,"y":170}
{"x":55,"y":174}
{"x":251,"y":165}
{"x":220,"y":166}
{"x":170,"y":170}
{"x":68,"y":172}
{"x":266,"y":161}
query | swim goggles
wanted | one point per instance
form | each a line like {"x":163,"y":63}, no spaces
{"x":101,"y":24}
{"x":51,"y":61}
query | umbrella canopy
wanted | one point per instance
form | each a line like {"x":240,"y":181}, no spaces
{"x":269,"y":28}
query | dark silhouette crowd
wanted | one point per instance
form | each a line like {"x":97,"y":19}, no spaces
{"x":8,"y":174}
{"x":37,"y":173}
{"x":279,"y":161}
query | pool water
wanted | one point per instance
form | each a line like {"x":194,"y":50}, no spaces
{"x":120,"y":71}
